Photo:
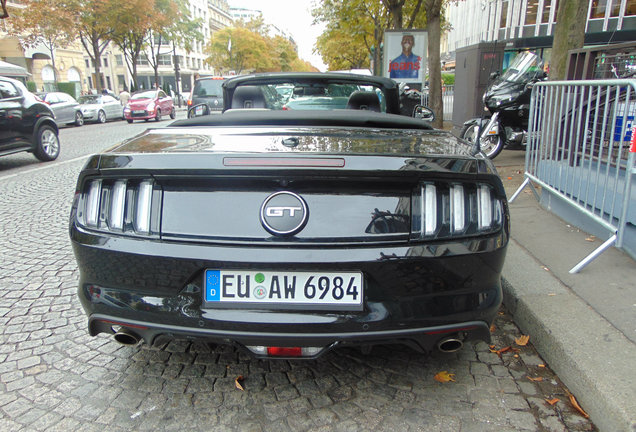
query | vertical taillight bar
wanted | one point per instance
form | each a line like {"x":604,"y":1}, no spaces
{"x":484,"y":204}
{"x":92,"y":203}
{"x":117,"y":205}
{"x":429,"y":210}
{"x":457,"y":208}
{"x":144,"y":202}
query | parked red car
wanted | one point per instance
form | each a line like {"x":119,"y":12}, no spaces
{"x":149,"y":104}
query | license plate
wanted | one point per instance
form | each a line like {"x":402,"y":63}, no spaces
{"x":138,"y":112}
{"x":293,"y":290}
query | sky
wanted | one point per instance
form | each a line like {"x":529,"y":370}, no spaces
{"x":294,"y":17}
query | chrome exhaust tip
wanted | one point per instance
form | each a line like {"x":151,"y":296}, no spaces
{"x":450,"y":345}
{"x":126,"y":337}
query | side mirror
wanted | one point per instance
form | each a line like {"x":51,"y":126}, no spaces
{"x":494,"y":75}
{"x":199,"y":110}
{"x":423,"y":113}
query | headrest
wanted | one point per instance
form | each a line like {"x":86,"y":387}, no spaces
{"x":248,"y":97}
{"x":364,"y":100}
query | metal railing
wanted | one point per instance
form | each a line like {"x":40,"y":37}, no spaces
{"x":579,"y":150}
{"x":448,"y":92}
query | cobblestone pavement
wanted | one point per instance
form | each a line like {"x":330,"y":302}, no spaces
{"x":54,"y":377}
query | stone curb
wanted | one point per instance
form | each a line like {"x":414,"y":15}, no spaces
{"x":594,"y":359}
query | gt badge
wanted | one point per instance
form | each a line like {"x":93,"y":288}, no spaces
{"x":284,"y":213}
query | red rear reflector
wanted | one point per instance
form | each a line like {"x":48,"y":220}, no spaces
{"x":285,"y":351}
{"x":284,"y":162}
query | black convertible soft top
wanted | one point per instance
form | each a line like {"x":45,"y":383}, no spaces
{"x":334,"y":118}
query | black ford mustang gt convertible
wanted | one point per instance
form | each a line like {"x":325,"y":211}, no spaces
{"x":291,"y":232}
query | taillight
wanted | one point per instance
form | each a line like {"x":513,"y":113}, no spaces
{"x":189,"y":102}
{"x":119,"y":205}
{"x":441,"y":210}
{"x":274,"y":351}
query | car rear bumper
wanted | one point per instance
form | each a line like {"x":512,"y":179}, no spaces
{"x":423,"y":339}
{"x":411,"y":293}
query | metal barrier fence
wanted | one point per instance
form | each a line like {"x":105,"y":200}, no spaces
{"x":448,"y":92}
{"x":579,"y":150}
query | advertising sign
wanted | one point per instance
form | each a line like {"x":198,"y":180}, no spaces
{"x":405,"y":54}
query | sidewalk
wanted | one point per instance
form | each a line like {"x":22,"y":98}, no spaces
{"x":583,"y":325}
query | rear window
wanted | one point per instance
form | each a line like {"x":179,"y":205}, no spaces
{"x":208,"y":88}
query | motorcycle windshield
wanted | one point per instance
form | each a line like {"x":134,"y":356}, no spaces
{"x":525,"y":67}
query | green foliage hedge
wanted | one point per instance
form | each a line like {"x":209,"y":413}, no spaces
{"x":31,"y":86}
{"x":67,"y":87}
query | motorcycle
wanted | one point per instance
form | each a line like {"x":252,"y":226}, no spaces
{"x":507,"y":100}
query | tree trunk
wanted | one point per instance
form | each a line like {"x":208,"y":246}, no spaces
{"x":433,"y":12}
{"x":98,"y":64}
{"x":569,"y":34}
{"x":377,"y":54}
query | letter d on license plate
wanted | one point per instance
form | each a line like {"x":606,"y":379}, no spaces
{"x":282,"y":290}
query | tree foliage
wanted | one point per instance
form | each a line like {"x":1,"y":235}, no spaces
{"x":45,"y":22}
{"x":95,"y":21}
{"x":355,"y":28}
{"x":246,"y":47}
{"x":359,"y":25}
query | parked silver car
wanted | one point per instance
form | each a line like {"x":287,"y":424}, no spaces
{"x":65,"y":108}
{"x":100,"y":108}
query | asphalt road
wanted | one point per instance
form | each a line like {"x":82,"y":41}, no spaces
{"x":55,"y":377}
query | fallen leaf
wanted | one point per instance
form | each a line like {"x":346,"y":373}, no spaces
{"x":537,"y":379}
{"x":590,"y":238}
{"x":516,"y":356}
{"x":541,"y":365}
{"x":509,"y":178}
{"x":501,"y":313}
{"x":522,"y":340}
{"x":551,"y":295}
{"x":552,"y":401}
{"x":576,"y":406}
{"x":492,"y":328}
{"x":503,"y":350}
{"x":444,"y":377}
{"x":237,"y":383}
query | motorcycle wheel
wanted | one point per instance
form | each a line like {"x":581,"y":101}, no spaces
{"x":491,"y":145}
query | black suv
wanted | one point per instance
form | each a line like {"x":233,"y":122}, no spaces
{"x":208,"y":90}
{"x":26,"y":123}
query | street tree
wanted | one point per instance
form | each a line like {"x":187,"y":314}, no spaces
{"x":434,"y":28}
{"x":172,"y":24}
{"x":134,"y":20}
{"x":95,"y":22}
{"x":569,"y":34}
{"x":45,"y":22}
{"x":247,"y":47}
{"x":365,"y":21}
{"x":360,"y":25}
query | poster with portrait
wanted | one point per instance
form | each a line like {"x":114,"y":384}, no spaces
{"x":405,"y":54}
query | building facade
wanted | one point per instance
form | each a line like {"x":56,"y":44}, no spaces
{"x":530,"y":24}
